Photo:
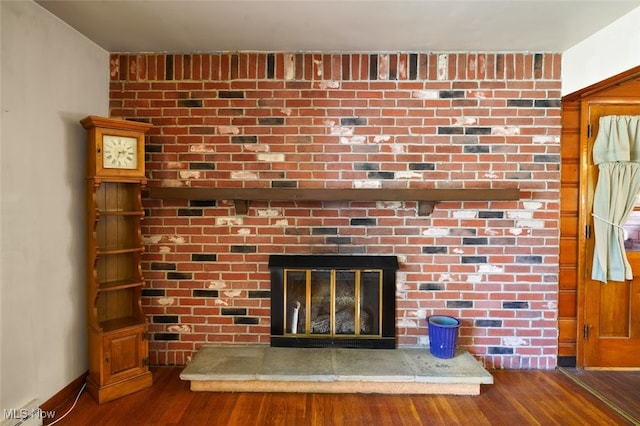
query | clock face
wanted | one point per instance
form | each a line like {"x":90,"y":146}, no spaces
{"x":119,"y":152}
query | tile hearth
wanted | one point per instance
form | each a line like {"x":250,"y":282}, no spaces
{"x":333,"y":370}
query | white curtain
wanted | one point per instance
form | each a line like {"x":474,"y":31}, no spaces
{"x":616,"y":151}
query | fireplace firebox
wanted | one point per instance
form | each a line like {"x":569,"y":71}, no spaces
{"x":333,"y":301}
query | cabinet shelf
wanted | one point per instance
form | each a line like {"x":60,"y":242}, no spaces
{"x":134,"y":213}
{"x":426,"y":198}
{"x":119,"y":285}
{"x":119,"y":324}
{"x":101,"y":251}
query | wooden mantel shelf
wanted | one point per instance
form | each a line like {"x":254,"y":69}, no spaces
{"x":426,"y":198}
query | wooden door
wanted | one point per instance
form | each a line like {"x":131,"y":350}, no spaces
{"x":611,"y":314}
{"x":124,"y":355}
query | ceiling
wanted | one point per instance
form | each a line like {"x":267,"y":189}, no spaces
{"x":339,"y":25}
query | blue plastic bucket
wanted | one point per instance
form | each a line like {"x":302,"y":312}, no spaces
{"x":443,"y":335}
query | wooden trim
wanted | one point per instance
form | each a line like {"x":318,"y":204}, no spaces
{"x":594,"y":89}
{"x":92,"y":121}
{"x":426,"y":198}
{"x":344,"y":387}
{"x":65,"y":396}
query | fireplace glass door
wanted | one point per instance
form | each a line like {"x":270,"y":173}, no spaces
{"x":333,"y":303}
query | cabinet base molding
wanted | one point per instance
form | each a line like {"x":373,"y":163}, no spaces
{"x":119,"y":389}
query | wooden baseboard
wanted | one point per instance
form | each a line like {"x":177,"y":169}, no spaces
{"x":66,"y":396}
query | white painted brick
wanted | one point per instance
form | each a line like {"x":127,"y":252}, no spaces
{"x":408,"y":175}
{"x":389,"y":204}
{"x":228,"y":130}
{"x":401,"y":278}
{"x":479,"y":94}
{"x":328,"y":84}
{"x":217,"y":285}
{"x":166,"y":301}
{"x":490,"y":269}
{"x":436,"y":232}
{"x":533,"y":205}
{"x":164,"y":250}
{"x":353,"y":140}
{"x":465,"y":121}
{"x":151,"y":239}
{"x":179,"y":328}
{"x":367,"y":184}
{"x":514,"y":341}
{"x":340,"y":131}
{"x":381,"y":138}
{"x":425,"y":94}
{"x":397,"y":148}
{"x":189,"y":174}
{"x":229,"y":221}
{"x":289,"y":67}
{"x":271,"y":157}
{"x":546,"y":139}
{"x":273,"y":212}
{"x":520,"y":214}
{"x":420,"y":313}
{"x":505,"y":131}
{"x":443,"y":66}
{"x":531,"y":223}
{"x":474,"y":278}
{"x":201,"y":148}
{"x":445,"y":278}
{"x":465,"y":214}
{"x":318,"y":65}
{"x":243,"y":174}
{"x":407,"y":323}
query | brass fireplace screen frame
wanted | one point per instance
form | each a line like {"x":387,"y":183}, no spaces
{"x":331,"y":285}
{"x":336,"y":312}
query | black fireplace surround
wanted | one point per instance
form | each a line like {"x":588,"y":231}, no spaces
{"x":337,"y":301}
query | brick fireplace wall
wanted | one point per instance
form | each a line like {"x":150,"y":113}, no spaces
{"x":358,"y":120}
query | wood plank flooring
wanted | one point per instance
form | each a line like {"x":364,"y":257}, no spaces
{"x":515,"y":398}
{"x":620,"y":389}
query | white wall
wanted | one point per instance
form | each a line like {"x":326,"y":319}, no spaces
{"x":612,"y":50}
{"x":51,"y":77}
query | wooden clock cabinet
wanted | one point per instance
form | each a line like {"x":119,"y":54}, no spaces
{"x":117,"y":327}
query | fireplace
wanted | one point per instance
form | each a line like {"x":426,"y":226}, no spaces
{"x":333,"y":301}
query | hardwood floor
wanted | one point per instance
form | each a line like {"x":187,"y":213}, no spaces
{"x":516,"y":398}
{"x":619,"y":389}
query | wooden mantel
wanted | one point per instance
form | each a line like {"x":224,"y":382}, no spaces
{"x":426,"y":198}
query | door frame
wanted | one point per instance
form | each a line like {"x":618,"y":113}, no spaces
{"x":599,"y":93}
